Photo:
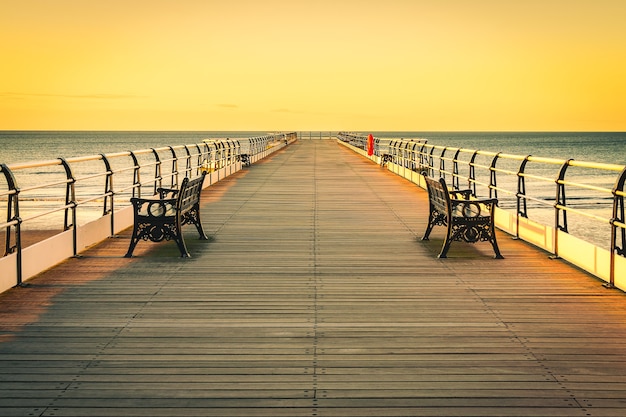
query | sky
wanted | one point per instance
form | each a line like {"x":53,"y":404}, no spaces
{"x":356,"y":65}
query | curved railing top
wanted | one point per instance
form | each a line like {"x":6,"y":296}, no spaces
{"x":429,"y":148}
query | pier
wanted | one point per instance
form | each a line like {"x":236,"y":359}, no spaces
{"x":314,"y":296}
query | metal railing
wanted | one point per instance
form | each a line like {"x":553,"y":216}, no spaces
{"x":64,"y":193}
{"x":389,"y":150}
{"x":316,"y":135}
{"x":552,"y":191}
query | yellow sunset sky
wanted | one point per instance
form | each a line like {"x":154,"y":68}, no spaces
{"x":418,"y":65}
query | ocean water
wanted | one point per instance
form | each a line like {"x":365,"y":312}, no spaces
{"x":606,"y":147}
{"x":603,"y":147}
{"x":21,"y":146}
{"x":24,"y":146}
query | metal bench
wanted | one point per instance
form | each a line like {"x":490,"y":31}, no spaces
{"x":384,"y":158}
{"x":161,"y":218}
{"x":244,"y":158}
{"x":466,"y":219}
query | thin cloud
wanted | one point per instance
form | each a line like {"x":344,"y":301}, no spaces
{"x":228,"y":106}
{"x":285,"y":110}
{"x":96,"y":96}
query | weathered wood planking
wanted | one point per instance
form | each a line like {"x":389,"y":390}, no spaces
{"x":313,"y":297}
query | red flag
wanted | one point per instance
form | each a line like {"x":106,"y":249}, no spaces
{"x":370,"y":145}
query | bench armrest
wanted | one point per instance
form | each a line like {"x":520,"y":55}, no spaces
{"x":465,"y":194}
{"x":150,"y":207}
{"x":473,"y":208}
{"x":167,"y":192}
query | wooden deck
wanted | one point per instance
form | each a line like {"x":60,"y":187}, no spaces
{"x":313,"y":297}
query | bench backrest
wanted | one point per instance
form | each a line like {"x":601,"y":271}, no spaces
{"x":448,"y":203}
{"x":438,"y":194}
{"x":189,"y":194}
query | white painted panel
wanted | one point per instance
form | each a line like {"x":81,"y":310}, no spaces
{"x":505,"y":220}
{"x":45,"y":254}
{"x":124,"y":218}
{"x":537,"y":234}
{"x":93,"y":232}
{"x":8,"y":272}
{"x":585,"y":255}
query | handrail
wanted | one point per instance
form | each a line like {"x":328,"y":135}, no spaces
{"x":555,"y":186}
{"x":107,"y":181}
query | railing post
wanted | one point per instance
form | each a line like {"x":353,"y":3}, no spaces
{"x":158,"y":180}
{"x":393,"y":145}
{"x":70,"y":204}
{"x":231,"y":155}
{"x":237,"y":150}
{"x":455,"y":170}
{"x":493,"y":178}
{"x":205,"y":162}
{"x":423,"y":158}
{"x":136,"y":175}
{"x":188,"y":168}
{"x":108,"y":193}
{"x":218,"y":155}
{"x":431,"y":162}
{"x":108,"y":186}
{"x":471,"y":180}
{"x":414,"y":157}
{"x":522,"y":206}
{"x":199,"y":160}
{"x":13,"y":220}
{"x":407,"y":155}
{"x":223,"y":154}
{"x":560,"y":202}
{"x":209,"y":158}
{"x":442,"y":163}
{"x":226,"y":144}
{"x":618,"y":221}
{"x":174,"y":172}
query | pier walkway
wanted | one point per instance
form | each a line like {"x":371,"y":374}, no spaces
{"x":313,"y":297}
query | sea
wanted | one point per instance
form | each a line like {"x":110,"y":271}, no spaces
{"x":600,"y":147}
{"x":22,"y":146}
